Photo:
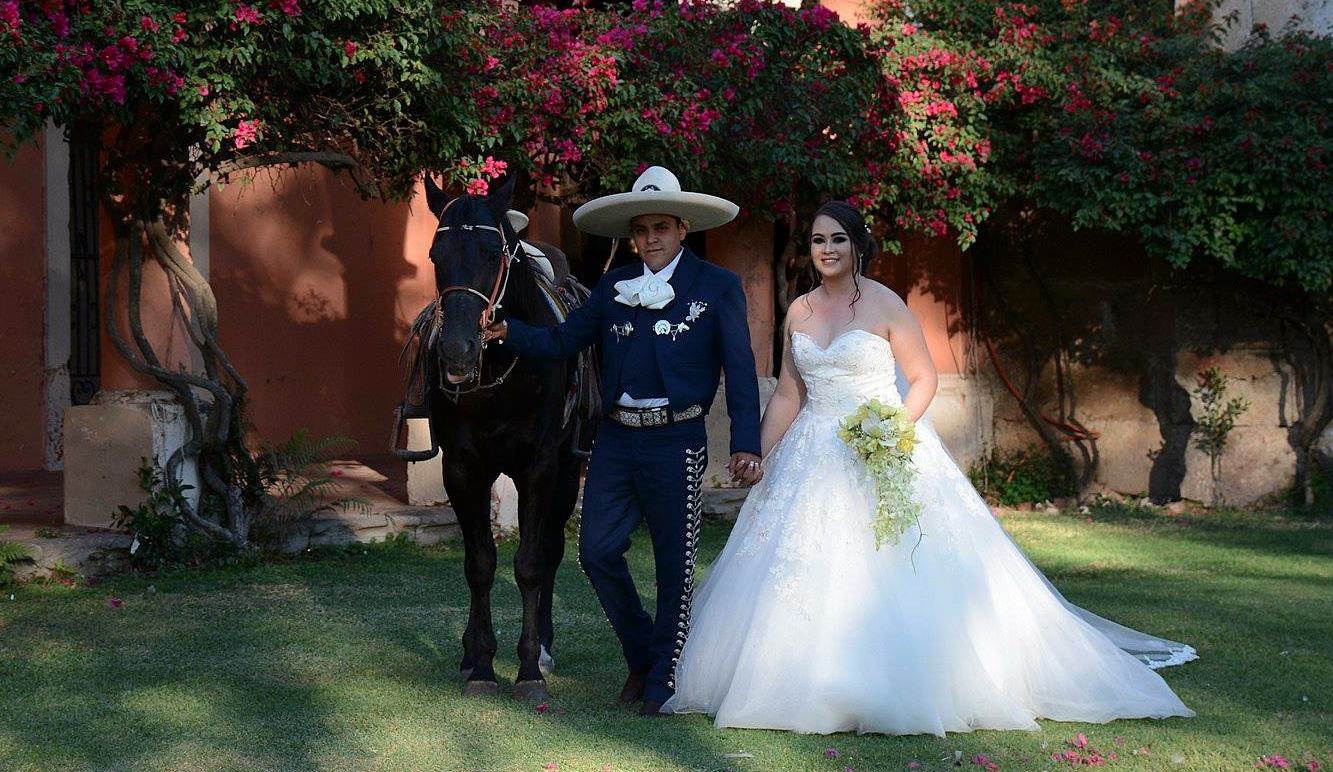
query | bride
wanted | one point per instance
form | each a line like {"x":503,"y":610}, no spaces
{"x":802,"y":624}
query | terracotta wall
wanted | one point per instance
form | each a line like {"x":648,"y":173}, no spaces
{"x":22,"y":315}
{"x":929,"y":275}
{"x":746,"y":247}
{"x":316,"y":289}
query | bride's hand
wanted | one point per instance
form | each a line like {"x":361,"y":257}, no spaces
{"x":745,"y":468}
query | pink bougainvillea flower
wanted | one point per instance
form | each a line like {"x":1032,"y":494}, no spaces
{"x":1313,"y":766}
{"x":606,"y":768}
{"x":478,"y":187}
{"x":203,"y":90}
{"x":246,"y":15}
{"x":550,"y":766}
{"x":246,"y":133}
{"x":544,"y":707}
{"x":349,"y":49}
{"x":914,"y":765}
{"x":493,"y":168}
{"x":289,"y":7}
{"x":9,"y":14}
{"x":980,"y":760}
{"x":1119,"y":740}
{"x":831,"y":753}
{"x":114,"y":603}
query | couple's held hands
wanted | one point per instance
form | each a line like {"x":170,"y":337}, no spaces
{"x":496,"y":331}
{"x":745,"y":468}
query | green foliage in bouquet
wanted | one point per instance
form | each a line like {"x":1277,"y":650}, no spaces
{"x":884,"y":437}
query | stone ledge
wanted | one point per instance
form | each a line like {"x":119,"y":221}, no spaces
{"x":724,"y":502}
{"x":102,"y":554}
{"x":90,"y":555}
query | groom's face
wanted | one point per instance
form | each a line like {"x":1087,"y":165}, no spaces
{"x":657,"y":238}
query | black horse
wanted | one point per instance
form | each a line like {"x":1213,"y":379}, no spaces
{"x":491,"y":413}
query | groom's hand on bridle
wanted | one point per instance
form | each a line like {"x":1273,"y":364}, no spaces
{"x":745,"y":468}
{"x":496,"y":331}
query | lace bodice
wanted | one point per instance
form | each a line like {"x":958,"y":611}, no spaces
{"x":856,"y":366}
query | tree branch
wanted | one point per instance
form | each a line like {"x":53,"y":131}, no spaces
{"x":334,"y":161}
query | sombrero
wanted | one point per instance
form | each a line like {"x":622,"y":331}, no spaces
{"x":517,"y":220}
{"x":656,"y":191}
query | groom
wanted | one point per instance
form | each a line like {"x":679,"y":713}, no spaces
{"x":668,"y":325}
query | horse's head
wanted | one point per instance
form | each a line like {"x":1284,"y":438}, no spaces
{"x":472,"y":253}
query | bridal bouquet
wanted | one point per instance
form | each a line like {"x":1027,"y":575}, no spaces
{"x":884,"y":437}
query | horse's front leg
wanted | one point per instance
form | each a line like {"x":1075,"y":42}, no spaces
{"x":471,"y":500}
{"x":530,"y":568}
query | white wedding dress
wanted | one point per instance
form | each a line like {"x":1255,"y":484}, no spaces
{"x":802,"y":624}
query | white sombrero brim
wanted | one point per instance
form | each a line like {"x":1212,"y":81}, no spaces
{"x":609,"y":216}
{"x":517,"y":220}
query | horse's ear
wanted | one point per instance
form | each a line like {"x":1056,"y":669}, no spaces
{"x":497,"y":200}
{"x":436,"y":198}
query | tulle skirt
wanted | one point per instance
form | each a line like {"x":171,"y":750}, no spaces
{"x":802,"y":624}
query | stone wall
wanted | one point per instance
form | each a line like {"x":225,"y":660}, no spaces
{"x":1139,"y":334}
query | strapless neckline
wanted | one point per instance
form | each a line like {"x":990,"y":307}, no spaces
{"x":839,"y":337}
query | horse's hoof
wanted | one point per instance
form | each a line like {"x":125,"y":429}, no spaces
{"x":546,"y":663}
{"x":481,"y":689}
{"x":531,"y":690}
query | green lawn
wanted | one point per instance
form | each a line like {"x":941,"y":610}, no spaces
{"x":349,"y":663}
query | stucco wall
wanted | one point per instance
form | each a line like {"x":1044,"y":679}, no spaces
{"x":22,"y":275}
{"x":316,"y":289}
{"x":1313,"y":15}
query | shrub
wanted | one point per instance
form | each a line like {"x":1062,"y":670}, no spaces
{"x":10,"y":552}
{"x":1020,"y":477}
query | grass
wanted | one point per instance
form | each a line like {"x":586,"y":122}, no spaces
{"x":349,"y":662}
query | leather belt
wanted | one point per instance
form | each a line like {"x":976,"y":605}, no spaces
{"x":637,"y":417}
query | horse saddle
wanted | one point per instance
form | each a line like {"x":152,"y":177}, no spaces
{"x":563,"y":293}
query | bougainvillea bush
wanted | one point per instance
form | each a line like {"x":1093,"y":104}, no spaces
{"x":774,"y":106}
{"x":1128,"y":116}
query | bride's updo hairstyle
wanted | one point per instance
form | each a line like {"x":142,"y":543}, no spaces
{"x":864,"y":246}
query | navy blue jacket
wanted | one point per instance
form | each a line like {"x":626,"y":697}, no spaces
{"x":716,"y":338}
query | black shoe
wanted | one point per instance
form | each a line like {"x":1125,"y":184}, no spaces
{"x":633,"y":691}
{"x":651,"y":708}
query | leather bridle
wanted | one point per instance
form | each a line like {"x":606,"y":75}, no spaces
{"x":494,"y":302}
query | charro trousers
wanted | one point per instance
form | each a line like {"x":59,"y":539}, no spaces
{"x":652,"y":474}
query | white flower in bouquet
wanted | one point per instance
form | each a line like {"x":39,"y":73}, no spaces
{"x":884,"y":437}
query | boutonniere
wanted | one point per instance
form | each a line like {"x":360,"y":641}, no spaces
{"x":697,"y":309}
{"x":623,"y":330}
{"x":663,"y":327}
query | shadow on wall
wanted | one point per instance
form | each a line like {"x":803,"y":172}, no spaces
{"x":316,"y":288}
{"x":1135,"y":331}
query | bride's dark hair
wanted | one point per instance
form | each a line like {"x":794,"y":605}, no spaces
{"x":864,"y":246}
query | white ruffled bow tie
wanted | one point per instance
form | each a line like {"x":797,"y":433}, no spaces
{"x":647,"y":291}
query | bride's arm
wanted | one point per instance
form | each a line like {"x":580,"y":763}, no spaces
{"x":786,"y":401}
{"x":909,"y":347}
